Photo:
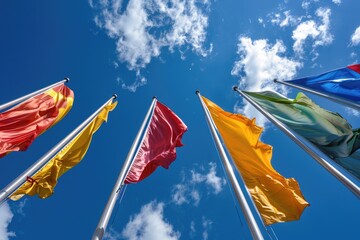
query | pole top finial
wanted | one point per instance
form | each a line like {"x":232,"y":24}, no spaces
{"x":115,"y":96}
{"x":197,"y":92}
{"x":67,"y":79}
{"x":235,"y":88}
{"x":154,"y":97}
{"x":275,"y":80}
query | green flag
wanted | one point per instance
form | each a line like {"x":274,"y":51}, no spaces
{"x":329,"y":131}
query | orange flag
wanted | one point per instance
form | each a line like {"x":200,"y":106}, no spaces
{"x":277,"y":199}
{"x":20,"y":125}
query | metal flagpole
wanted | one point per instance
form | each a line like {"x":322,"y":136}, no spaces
{"x":106,"y":214}
{"x":18,"y":100}
{"x":330,"y":97}
{"x":15,"y":184}
{"x":342,"y":178}
{"x":254,"y":228}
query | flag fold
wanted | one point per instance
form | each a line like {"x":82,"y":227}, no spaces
{"x":329,"y":131}
{"x":44,"y":181}
{"x":20,"y":125}
{"x":158,"y":148}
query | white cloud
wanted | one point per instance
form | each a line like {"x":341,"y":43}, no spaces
{"x":20,"y":207}
{"x":150,"y":224}
{"x":355,"y":37}
{"x":91,"y":3}
{"x":135,"y":45}
{"x":5,"y":218}
{"x":195,"y":195}
{"x":284,"y":19}
{"x":143,"y":27}
{"x":325,"y":37}
{"x":210,"y":179}
{"x":352,"y":112}
{"x":319,"y":33}
{"x":306,"y":4}
{"x":192,"y":229}
{"x":302,"y":32}
{"x":337,"y":2}
{"x":140,"y":81}
{"x":206,"y":223}
{"x":261,"y":21}
{"x":189,"y":23}
{"x":179,"y":194}
{"x":353,"y":55}
{"x":259,"y":64}
{"x":187,"y":191}
{"x":112,"y":234}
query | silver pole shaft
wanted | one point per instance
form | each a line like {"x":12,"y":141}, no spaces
{"x":9,"y":189}
{"x":254,"y":228}
{"x":106,"y":214}
{"x":18,"y":100}
{"x":332,"y":98}
{"x":342,"y":178}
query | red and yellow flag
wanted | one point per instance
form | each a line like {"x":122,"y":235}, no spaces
{"x":277,"y":199}
{"x":20,"y":125}
{"x":159,"y":146}
{"x":44,"y":181}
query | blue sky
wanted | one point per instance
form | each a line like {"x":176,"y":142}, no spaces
{"x":139,"y":49}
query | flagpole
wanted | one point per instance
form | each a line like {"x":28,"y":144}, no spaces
{"x":342,"y":178}
{"x":16,"y":183}
{"x":254,"y":228}
{"x":18,"y":100}
{"x":330,"y":97}
{"x":106,"y":214}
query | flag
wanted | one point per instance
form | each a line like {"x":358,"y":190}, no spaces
{"x":44,"y":181}
{"x":329,"y":131}
{"x":158,"y":148}
{"x":20,"y":125}
{"x":277,"y":199}
{"x":343,"y":82}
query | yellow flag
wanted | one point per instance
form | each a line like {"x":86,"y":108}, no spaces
{"x":45,"y":180}
{"x":277,"y":199}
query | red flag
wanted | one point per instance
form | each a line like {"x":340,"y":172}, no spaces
{"x":20,"y":125}
{"x":159,"y":146}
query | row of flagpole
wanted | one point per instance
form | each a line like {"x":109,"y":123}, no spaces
{"x":106,"y":214}
{"x":17,"y":182}
{"x":252,"y":224}
{"x":6,"y":192}
{"x":331,"y":169}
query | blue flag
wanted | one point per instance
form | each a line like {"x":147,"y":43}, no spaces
{"x":343,"y":82}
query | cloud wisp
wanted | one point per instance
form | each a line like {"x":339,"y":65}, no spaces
{"x":142,"y":28}
{"x":188,"y":191}
{"x":150,"y":224}
{"x":308,"y":31}
{"x":206,"y":223}
{"x":318,"y":32}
